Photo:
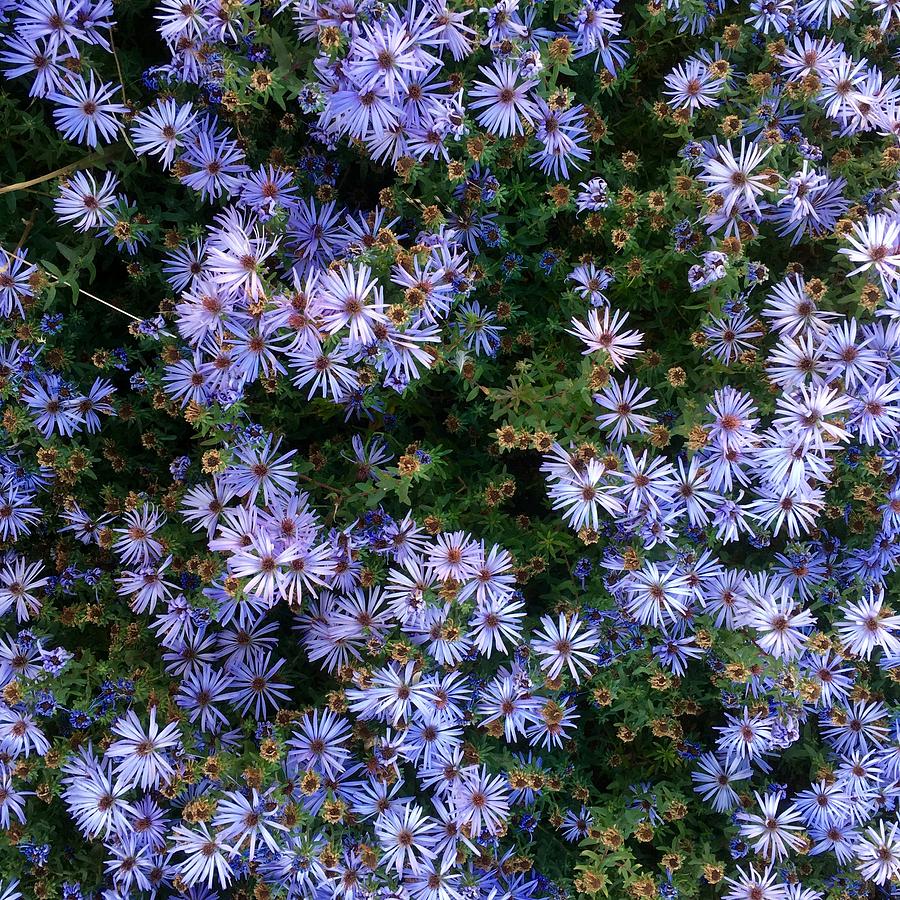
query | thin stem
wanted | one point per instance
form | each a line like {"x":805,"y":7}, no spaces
{"x":112,"y":45}
{"x":320,"y":484}
{"x":28,"y":226}
{"x":86,"y":161}
{"x":88,"y":294}
{"x":131,"y":316}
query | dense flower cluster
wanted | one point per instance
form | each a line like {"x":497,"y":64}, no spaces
{"x":450,"y":452}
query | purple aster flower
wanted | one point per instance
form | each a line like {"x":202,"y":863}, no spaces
{"x":692,"y":86}
{"x":137,"y":544}
{"x":324,"y":371}
{"x":714,"y":778}
{"x":268,"y":189}
{"x":607,"y":335}
{"x":53,"y":21}
{"x":875,"y":244}
{"x":318,"y":743}
{"x":878,"y":851}
{"x":593,"y":196}
{"x":453,"y":33}
{"x":252,"y":818}
{"x":85,"y":112}
{"x":185,"y":264}
{"x":560,"y":132}
{"x":405,"y":837}
{"x":51,"y":407}
{"x":81,"y":202}
{"x":141,"y":761}
{"x":746,"y":737}
{"x":206,"y":856}
{"x":566,"y":645}
{"x":621,"y":404}
{"x":384,"y":55}
{"x":314,"y":235}
{"x":218,"y":163}
{"x":253,"y":686}
{"x":19,"y":587}
{"x":24,"y":57}
{"x":504,"y":100}
{"x":734,"y":176}
{"x":12,"y":803}
{"x":15,"y":283}
{"x":162,"y":128}
{"x":96,"y":400}
{"x":180,"y":19}
{"x":236,"y":259}
{"x":95,"y":17}
{"x":258,"y":467}
{"x":20,"y":734}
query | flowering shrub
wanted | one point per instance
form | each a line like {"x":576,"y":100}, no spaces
{"x":449,"y":452}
